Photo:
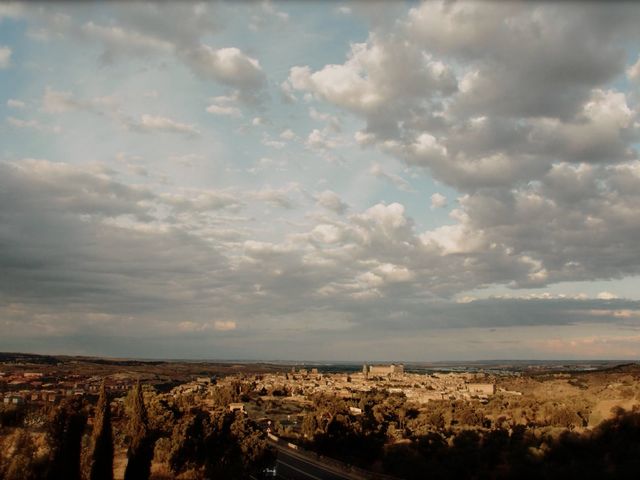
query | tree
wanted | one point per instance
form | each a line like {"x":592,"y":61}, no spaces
{"x":102,"y":455}
{"x":187,"y":449}
{"x":140,"y":453}
{"x":253,"y":447}
{"x":65,"y":439}
{"x":23,"y":464}
{"x":309,"y":425}
{"x":219,"y":444}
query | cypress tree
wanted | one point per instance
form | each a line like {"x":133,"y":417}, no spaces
{"x":65,"y":437}
{"x":102,"y":456}
{"x":55,"y":436}
{"x":140,"y":452}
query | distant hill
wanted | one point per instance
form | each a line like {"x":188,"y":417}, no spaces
{"x":9,"y":357}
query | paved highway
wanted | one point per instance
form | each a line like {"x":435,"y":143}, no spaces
{"x":294,"y":466}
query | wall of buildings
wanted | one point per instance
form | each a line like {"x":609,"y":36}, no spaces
{"x":383,"y":370}
{"x":481,"y":388}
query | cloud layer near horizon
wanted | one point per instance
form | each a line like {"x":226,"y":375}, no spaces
{"x":214,"y":190}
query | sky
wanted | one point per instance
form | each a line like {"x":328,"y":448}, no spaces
{"x":379,"y":181}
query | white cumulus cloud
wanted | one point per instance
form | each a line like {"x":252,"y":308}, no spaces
{"x":5,"y":56}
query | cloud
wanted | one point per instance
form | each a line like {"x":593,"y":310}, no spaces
{"x":522,"y":111}
{"x":333,"y":122}
{"x":224,"y":110}
{"x":535,"y":146}
{"x":226,"y":104}
{"x":199,"y":200}
{"x":266,"y":15}
{"x":607,"y":296}
{"x":57,"y":102}
{"x":503,"y":312}
{"x":224,"y":325}
{"x":375,"y":81}
{"x":81,"y":190}
{"x":229,"y":66}
{"x":5,"y":56}
{"x":17,"y":104}
{"x":399,"y":182}
{"x":152,"y":123}
{"x":279,"y":197}
{"x":11,"y":10}
{"x":266,"y":164}
{"x":588,"y":207}
{"x":633,"y":72}
{"x":593,"y":346}
{"x":438,"y":201}
{"x":106,"y":233}
{"x":157,"y":30}
{"x":182,"y":25}
{"x":287,"y":134}
{"x":286,"y":93}
{"x":367,"y":80}
{"x":445,"y":88}
{"x":117,"y":40}
{"x":321,"y":140}
{"x":585,"y":53}
{"x":33,"y":125}
{"x":267,"y":141}
{"x":54,"y":101}
{"x":331,"y":201}
{"x":159,"y":257}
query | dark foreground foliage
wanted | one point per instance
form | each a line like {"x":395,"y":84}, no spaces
{"x":218,"y":445}
{"x":140,"y":453}
{"x":191,"y":443}
{"x":468,"y":448}
{"x":65,"y":440}
{"x":611,"y":451}
{"x":187,"y":442}
{"x":102,"y":455}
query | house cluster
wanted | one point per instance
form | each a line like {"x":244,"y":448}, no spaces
{"x":20,"y":388}
{"x":197,"y":385}
{"x":421,"y":388}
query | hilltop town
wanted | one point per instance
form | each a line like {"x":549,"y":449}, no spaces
{"x":302,"y":383}
{"x":51,"y":385}
{"x":359,"y":420}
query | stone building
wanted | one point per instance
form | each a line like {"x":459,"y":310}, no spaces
{"x":382,"y":370}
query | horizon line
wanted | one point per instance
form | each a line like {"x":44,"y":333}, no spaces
{"x":329,"y":362}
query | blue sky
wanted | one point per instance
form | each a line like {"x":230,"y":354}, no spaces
{"x":300,"y":180}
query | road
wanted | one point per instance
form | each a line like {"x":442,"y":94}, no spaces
{"x":294,"y":466}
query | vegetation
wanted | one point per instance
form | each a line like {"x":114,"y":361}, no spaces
{"x":102,"y":455}
{"x":140,"y":453}
{"x":24,"y":462}
{"x":191,"y":443}
{"x":65,"y":439}
{"x":220,"y":445}
{"x":193,"y":435}
{"x":454,"y":439}
{"x":612,"y":450}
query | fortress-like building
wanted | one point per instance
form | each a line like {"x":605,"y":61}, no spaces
{"x":382,"y":370}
